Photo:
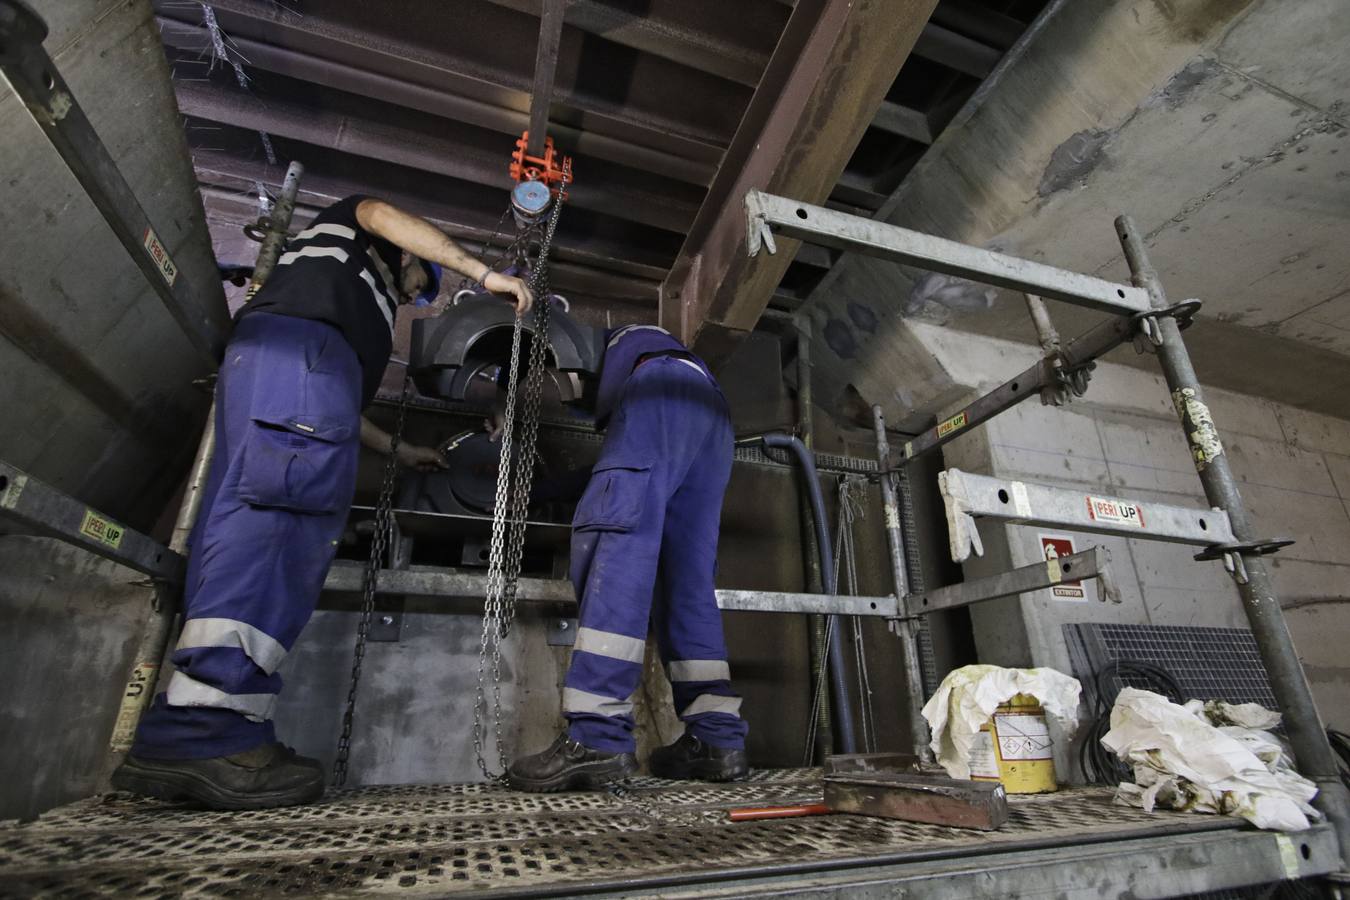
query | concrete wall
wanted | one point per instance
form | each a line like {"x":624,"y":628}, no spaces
{"x":1217,"y":125}
{"x":95,"y":376}
{"x":1124,"y":439}
{"x":71,"y":622}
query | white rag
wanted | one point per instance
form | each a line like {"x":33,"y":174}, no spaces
{"x":1212,"y":758}
{"x":968,"y":696}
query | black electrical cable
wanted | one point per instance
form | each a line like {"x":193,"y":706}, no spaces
{"x":1100,"y":765}
{"x":1340,"y":742}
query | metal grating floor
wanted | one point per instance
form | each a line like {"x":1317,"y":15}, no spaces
{"x":486,"y":839}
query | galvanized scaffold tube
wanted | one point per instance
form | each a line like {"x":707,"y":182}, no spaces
{"x":908,"y":626}
{"x":154,"y":643}
{"x":1302,"y":724}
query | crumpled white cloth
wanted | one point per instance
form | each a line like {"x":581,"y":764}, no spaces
{"x":968,"y":696}
{"x":1208,"y":757}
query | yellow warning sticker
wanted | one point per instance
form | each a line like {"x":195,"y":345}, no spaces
{"x":955,"y":423}
{"x":141,"y":681}
{"x":1288,"y":856}
{"x":100,"y":529}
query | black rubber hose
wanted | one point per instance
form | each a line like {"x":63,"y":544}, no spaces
{"x":838,"y":676}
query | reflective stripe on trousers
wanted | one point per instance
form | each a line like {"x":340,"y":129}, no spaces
{"x":276,"y":501}
{"x":644,"y":551}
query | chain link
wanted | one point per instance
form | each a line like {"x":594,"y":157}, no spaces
{"x":518,"y":454}
{"x":378,"y":543}
{"x":664,"y":815}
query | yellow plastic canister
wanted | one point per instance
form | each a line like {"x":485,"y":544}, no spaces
{"x":1015,"y":748}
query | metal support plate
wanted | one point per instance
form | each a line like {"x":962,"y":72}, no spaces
{"x":968,"y":497}
{"x":770,"y":215}
{"x":40,"y":508}
{"x":1090,"y":563}
{"x":561,"y":632}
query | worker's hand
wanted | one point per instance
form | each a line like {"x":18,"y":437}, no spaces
{"x":423,"y":459}
{"x":494,"y":424}
{"x":509,"y":284}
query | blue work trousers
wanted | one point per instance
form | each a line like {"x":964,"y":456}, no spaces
{"x":644,"y":552}
{"x":288,"y":410}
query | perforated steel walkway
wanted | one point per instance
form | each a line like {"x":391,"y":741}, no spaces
{"x":485,"y":839}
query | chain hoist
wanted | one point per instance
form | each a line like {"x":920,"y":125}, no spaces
{"x":519,"y":433}
{"x":379,"y":541}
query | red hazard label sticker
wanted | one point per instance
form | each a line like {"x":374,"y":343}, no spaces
{"x":1056,"y":547}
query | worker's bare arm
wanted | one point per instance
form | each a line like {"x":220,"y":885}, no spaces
{"x":424,"y":459}
{"x":424,"y":240}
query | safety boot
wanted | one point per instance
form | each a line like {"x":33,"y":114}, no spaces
{"x":568,"y":765}
{"x":261,"y":778}
{"x":690,"y":757}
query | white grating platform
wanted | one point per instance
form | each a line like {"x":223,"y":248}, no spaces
{"x":486,"y":839}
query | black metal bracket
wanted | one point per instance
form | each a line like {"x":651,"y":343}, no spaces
{"x":1255,"y":548}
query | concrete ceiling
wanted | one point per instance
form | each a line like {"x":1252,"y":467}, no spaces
{"x":1219,"y":126}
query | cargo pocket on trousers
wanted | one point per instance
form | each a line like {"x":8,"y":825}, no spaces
{"x":302,"y":466}
{"x":613,"y":500}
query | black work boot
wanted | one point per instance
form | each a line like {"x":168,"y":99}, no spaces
{"x":261,"y":778}
{"x":690,"y":757}
{"x":567,"y":764}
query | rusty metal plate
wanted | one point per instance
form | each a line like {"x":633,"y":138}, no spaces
{"x":919,"y":798}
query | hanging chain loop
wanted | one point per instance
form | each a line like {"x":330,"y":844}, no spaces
{"x":379,"y":542}
{"x":519,"y":436}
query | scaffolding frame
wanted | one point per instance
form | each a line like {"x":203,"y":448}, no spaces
{"x":1141,"y":312}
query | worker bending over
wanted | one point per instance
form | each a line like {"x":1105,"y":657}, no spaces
{"x":306,"y":356}
{"x":644,"y":550}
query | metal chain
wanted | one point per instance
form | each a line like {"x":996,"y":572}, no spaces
{"x":507,"y":545}
{"x":661,"y":815}
{"x":818,"y":691}
{"x":845,"y":561}
{"x":851,"y":509}
{"x":370,"y":578}
{"x":487,"y":249}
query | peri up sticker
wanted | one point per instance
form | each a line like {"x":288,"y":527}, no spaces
{"x":1110,"y":511}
